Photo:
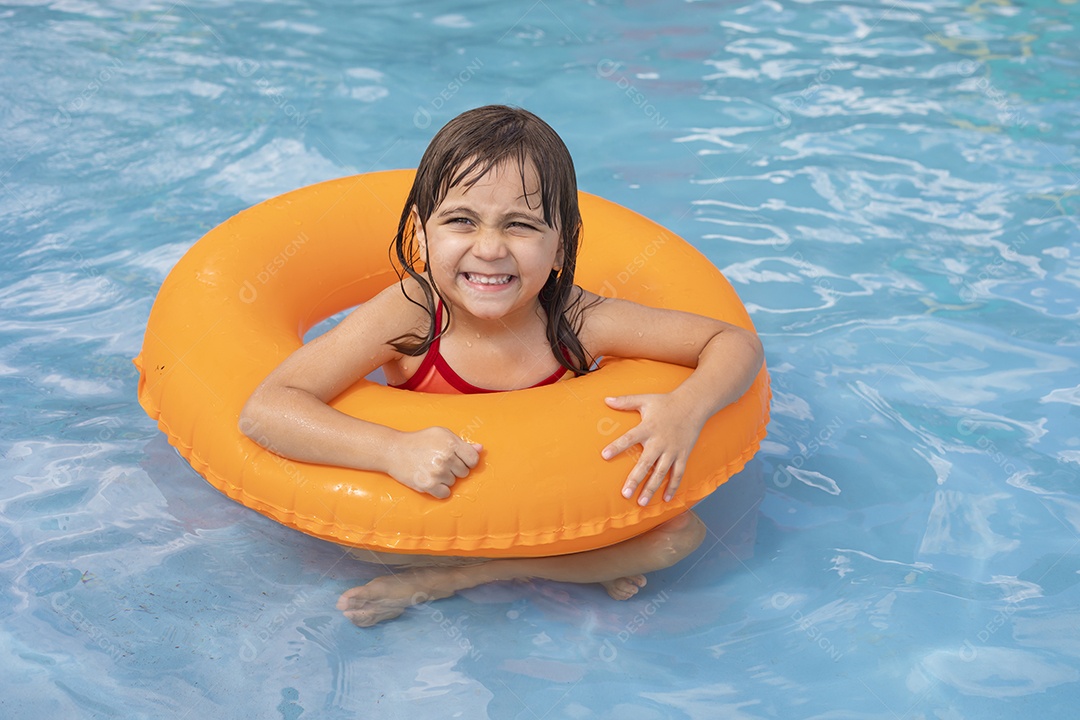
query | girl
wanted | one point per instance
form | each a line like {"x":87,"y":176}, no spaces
{"x":488,"y":240}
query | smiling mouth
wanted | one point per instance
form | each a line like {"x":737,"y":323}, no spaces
{"x":479,"y":279}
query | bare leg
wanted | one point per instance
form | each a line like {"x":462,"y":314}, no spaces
{"x":620,"y":568}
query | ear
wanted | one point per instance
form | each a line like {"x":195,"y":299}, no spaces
{"x":560,"y":257}
{"x":418,"y":231}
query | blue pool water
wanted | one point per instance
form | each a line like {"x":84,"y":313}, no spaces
{"x":893,"y":190}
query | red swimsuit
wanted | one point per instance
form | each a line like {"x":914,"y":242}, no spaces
{"x":436,"y":376}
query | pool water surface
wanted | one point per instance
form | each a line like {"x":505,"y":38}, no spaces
{"x":892,"y":188}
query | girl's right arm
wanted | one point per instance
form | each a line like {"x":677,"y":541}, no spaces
{"x":288,"y":413}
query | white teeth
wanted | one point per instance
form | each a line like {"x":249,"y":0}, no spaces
{"x":488,"y":279}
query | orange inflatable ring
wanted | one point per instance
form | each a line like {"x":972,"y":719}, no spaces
{"x":242,"y":298}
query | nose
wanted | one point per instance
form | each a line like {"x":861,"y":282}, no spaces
{"x":489,"y":245}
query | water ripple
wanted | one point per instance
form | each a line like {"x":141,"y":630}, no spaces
{"x":57,"y":293}
{"x":996,"y":672}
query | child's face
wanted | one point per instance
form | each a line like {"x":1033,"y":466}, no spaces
{"x":488,"y":246}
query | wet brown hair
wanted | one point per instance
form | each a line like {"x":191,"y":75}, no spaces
{"x":466,"y":149}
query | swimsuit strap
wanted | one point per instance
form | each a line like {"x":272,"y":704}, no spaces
{"x":434,"y":361}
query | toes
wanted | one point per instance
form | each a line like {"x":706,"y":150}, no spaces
{"x":349,"y":598}
{"x":628,"y":590}
{"x":625,"y":588}
{"x":368,"y":618}
{"x":360,"y":619}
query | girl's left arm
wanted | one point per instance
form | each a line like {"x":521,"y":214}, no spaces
{"x":725,"y":358}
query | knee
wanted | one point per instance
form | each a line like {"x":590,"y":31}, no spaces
{"x":690,"y":535}
{"x":679,"y":537}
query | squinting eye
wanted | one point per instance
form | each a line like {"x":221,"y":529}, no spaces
{"x":523,"y":226}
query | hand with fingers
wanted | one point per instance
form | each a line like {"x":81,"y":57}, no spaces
{"x":433,"y":459}
{"x":667,"y":433}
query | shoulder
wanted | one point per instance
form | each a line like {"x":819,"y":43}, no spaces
{"x":388,"y":315}
{"x":354,"y":347}
{"x":623,"y":328}
{"x":405,"y":297}
{"x":397,"y":310}
{"x":594,"y":313}
{"x":598,"y":311}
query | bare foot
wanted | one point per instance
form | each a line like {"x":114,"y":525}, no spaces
{"x":386,"y":597}
{"x":624,"y":588}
